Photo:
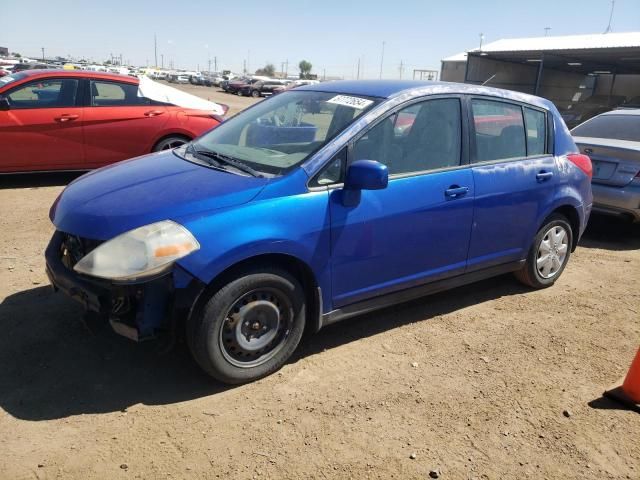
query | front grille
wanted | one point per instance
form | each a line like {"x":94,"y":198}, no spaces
{"x":73,"y":248}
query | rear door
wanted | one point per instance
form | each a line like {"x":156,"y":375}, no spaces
{"x":118,"y":123}
{"x":417,"y":229}
{"x":42,"y":130}
{"x":515,"y":179}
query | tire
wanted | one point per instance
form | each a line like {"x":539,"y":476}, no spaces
{"x":169,"y":143}
{"x":239,"y":93}
{"x":255,"y":93}
{"x":225,"y":336}
{"x":549,"y":253}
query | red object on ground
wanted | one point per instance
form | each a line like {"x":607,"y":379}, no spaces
{"x":629,"y":392}
{"x":631,"y":385}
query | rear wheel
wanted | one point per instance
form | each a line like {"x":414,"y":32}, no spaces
{"x":250,"y":327}
{"x":549,"y":253}
{"x":255,"y":93}
{"x":169,"y":143}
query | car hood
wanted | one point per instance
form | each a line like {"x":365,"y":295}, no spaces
{"x":147,"y":189}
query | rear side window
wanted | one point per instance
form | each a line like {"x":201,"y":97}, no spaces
{"x":500,"y":132}
{"x":535,"y":122}
{"x":114,"y":94}
{"x":49,"y":93}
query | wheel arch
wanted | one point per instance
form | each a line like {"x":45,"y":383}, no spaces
{"x":571,"y":214}
{"x":293,"y":265}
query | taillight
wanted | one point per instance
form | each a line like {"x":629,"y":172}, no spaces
{"x":583,"y":162}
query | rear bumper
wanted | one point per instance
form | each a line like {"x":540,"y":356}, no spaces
{"x":621,"y":201}
{"x":143,"y":309}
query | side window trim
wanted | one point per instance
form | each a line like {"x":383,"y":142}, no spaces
{"x":464,"y":134}
{"x":472,"y":131}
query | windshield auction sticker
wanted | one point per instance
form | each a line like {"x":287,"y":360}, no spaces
{"x":349,"y":101}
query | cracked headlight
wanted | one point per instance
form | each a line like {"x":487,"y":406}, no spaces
{"x":138,"y":253}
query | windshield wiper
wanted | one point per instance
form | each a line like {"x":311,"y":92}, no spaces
{"x":222,"y":159}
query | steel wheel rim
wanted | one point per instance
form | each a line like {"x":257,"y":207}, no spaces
{"x":552,"y":252}
{"x":173,"y":144}
{"x":256,"y":327}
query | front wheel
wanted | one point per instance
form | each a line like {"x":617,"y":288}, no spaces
{"x":549,"y":253}
{"x":255,"y":93}
{"x":249,"y":328}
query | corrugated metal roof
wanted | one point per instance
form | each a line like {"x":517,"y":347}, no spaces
{"x":565,"y":42}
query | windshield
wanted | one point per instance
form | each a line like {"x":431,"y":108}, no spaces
{"x":280,"y":133}
{"x":618,"y":127}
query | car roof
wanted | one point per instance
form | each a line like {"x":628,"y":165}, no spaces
{"x":623,"y":111}
{"x":394,"y":88}
{"x":37,"y":73}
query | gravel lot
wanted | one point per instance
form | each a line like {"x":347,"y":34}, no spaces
{"x":489,"y":381}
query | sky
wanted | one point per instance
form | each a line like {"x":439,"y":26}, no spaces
{"x":333,"y":35}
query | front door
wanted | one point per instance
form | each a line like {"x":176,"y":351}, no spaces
{"x":42,"y":130}
{"x":417,"y":229}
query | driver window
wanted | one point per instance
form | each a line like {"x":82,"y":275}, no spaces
{"x":421,"y":137}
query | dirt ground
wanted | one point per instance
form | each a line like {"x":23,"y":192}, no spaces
{"x":215,"y":94}
{"x":489,"y":381}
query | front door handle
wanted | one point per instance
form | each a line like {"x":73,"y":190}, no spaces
{"x":66,"y":117}
{"x":543,"y":176}
{"x":454,"y":191}
{"x":153,"y":113}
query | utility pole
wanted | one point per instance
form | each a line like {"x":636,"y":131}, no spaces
{"x":286,"y":68}
{"x":401,"y":69}
{"x":215,"y":64}
{"x":481,"y":39}
{"x":324,"y":73}
{"x":42,"y":53}
{"x":209,"y":70}
{"x":155,"y":49}
{"x":382,"y":59}
{"x":546,"y":31}
{"x":358,"y":74}
{"x":613,"y":5}
{"x":162,"y":58}
{"x":244,"y":67}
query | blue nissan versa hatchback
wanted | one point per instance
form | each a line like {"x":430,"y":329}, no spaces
{"x":318,"y":204}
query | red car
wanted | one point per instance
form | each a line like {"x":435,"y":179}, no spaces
{"x":79,"y":120}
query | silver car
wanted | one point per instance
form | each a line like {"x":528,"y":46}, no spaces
{"x":612,"y":140}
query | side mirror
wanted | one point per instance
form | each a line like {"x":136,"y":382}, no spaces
{"x":363,"y":175}
{"x":366,"y":175}
{"x":4,"y":104}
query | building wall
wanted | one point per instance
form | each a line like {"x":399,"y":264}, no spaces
{"x":453,"y":71}
{"x":4,"y":52}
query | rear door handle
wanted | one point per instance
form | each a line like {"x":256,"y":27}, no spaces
{"x":455,"y":191}
{"x":153,"y":113}
{"x":543,"y":176}
{"x":65,"y":117}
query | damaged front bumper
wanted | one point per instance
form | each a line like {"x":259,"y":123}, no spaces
{"x":137,"y":310}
